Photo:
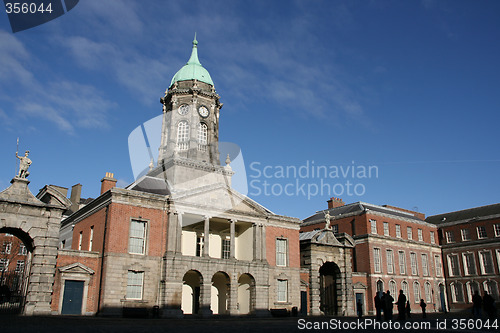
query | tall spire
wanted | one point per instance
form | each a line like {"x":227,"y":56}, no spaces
{"x":193,"y":60}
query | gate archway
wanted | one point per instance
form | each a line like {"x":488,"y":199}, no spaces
{"x":15,"y":265}
{"x":329,"y":275}
{"x":35,"y":221}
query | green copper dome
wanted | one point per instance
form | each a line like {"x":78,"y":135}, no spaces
{"x":193,"y":69}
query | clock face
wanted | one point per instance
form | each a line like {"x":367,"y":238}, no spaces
{"x":184,"y":109}
{"x":203,"y":111}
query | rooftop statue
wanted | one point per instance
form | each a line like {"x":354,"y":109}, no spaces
{"x":24,"y":164}
{"x":327,"y":220}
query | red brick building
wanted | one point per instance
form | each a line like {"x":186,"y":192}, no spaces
{"x":14,"y":258}
{"x":470,"y":243}
{"x":395,"y":249}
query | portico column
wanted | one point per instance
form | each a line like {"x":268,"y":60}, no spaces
{"x":178,"y":234}
{"x":171,"y":231}
{"x":256,"y":242}
{"x":232,"y":242}
{"x":206,"y":239}
{"x":263,"y":242}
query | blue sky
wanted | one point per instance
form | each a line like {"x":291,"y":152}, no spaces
{"x":410,"y":87}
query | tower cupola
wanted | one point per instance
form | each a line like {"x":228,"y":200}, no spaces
{"x":192,"y":70}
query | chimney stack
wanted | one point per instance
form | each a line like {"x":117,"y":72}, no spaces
{"x":108,"y":182}
{"x":335,"y":202}
{"x":76,"y":194}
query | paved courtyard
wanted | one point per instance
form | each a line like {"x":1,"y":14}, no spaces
{"x":239,"y":325}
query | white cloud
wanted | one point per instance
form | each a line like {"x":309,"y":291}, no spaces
{"x":14,"y":57}
{"x":66,"y":103}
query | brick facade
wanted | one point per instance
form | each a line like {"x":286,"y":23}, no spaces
{"x":470,"y":242}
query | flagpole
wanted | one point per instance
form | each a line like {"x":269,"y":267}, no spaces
{"x":17,"y":159}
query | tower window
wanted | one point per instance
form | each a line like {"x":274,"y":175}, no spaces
{"x":202,"y":136}
{"x":183,"y":135}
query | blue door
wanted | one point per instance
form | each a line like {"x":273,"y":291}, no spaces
{"x":72,"y":299}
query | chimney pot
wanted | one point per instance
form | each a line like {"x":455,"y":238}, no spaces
{"x":108,"y":182}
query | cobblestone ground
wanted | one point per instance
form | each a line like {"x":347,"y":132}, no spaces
{"x":55,"y":324}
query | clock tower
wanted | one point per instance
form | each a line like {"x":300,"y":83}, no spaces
{"x":189,"y":149}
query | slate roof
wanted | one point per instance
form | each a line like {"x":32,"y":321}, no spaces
{"x":466,"y":214}
{"x":150,"y":185}
{"x":357,"y":207}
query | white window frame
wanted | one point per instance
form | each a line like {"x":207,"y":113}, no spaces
{"x":449,"y":237}
{"x":282,"y":288}
{"x":202,"y":136}
{"x":390,"y":261}
{"x":457,"y":288}
{"x":386,"y":229}
{"x":200,"y":244}
{"x":470,"y":291}
{"x":135,"y":284}
{"x":20,"y":266}
{"x":22,"y":249}
{"x":425,"y":264}
{"x":481,"y":232}
{"x":226,"y":248}
{"x":482,"y":257}
{"x":80,"y":239}
{"x":281,"y":252}
{"x":409,"y":233}
{"x":91,"y":239}
{"x":136,"y":237}
{"x":433,"y":237}
{"x":393,"y":288}
{"x":4,"y":264}
{"x":466,"y":263}
{"x":373,"y":225}
{"x":416,"y":291}
{"x":451,"y":267}
{"x":182,"y":135}
{"x":496,"y":228}
{"x":493,"y":293}
{"x":398,"y":230}
{"x":428,"y":292}
{"x":465,"y":233}
{"x":414,"y":263}
{"x":438,"y":265}
{"x":402,"y":262}
{"x":377,"y":262}
{"x":420,"y":235}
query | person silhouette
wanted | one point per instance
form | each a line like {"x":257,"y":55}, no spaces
{"x":423,"y":306}
{"x":401,"y":306}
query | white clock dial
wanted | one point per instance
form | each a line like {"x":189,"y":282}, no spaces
{"x":203,"y":111}
{"x":184,"y":109}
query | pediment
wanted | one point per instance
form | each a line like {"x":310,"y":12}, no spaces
{"x":220,"y":197}
{"x":77,"y":268}
{"x":52,"y":196}
{"x":359,"y":285}
{"x":326,"y":237}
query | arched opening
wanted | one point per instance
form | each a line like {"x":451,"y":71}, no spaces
{"x":16,"y":249}
{"x":380,"y":286}
{"x":191,"y":292}
{"x":329,"y":275}
{"x":219,"y":293}
{"x":246,"y":293}
{"x":442,"y":297}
